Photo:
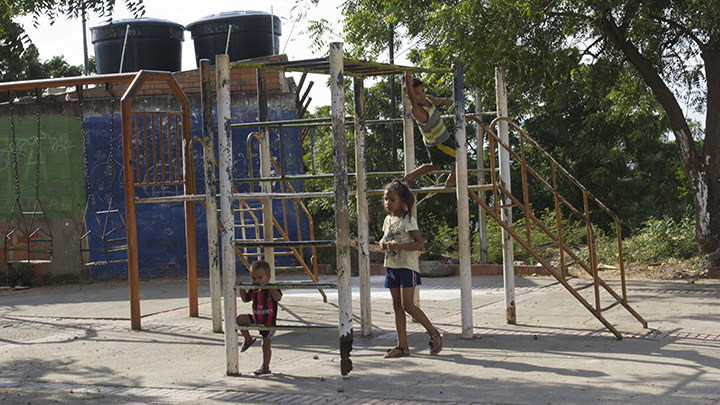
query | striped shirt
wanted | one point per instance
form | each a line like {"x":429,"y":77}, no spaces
{"x":265,"y":308}
{"x":433,"y":131}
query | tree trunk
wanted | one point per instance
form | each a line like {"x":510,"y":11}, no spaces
{"x":702,"y":171}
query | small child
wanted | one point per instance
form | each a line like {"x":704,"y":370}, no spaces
{"x":265,"y":309}
{"x":402,"y":241}
{"x":439,"y":143}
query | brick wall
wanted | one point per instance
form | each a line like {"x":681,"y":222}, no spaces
{"x":242,"y":80}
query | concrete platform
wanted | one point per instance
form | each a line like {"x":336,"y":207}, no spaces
{"x":74,"y":345}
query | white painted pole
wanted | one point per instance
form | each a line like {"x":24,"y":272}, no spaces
{"x":481,"y":181}
{"x":210,"y":201}
{"x":505,"y":213}
{"x":409,"y":148}
{"x":463,"y":208}
{"x":362,"y":207}
{"x":266,"y":186}
{"x":222,"y":66}
{"x":342,"y":223}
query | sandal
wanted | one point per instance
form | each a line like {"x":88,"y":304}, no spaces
{"x":246,"y":345}
{"x":396,"y":352}
{"x":436,"y":343}
{"x":262,"y":371}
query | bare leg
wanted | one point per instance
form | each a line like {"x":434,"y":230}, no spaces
{"x":400,"y":321}
{"x":450,"y":182}
{"x":422,"y":169}
{"x":267,"y":352}
{"x":417,"y":313}
{"x":244,"y":320}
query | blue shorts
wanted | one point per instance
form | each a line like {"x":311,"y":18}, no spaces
{"x":401,"y":278}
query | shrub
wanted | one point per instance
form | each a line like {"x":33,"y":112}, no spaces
{"x":661,"y":239}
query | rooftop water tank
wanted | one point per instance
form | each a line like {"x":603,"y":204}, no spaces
{"x":252,"y":34}
{"x":152,"y":44}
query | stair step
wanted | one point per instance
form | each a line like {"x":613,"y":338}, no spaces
{"x":286,"y":268}
{"x":102,"y":263}
{"x":108,"y":212}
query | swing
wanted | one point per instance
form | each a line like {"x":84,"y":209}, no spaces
{"x":112,"y":238}
{"x":26,"y":241}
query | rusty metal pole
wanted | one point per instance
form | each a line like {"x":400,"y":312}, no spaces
{"x":130,"y":217}
{"x":222,"y":67}
{"x":505,"y":213}
{"x":210,"y":197}
{"x":342,"y":223}
{"x":362,"y":207}
{"x":463,"y":208}
{"x":189,"y":189}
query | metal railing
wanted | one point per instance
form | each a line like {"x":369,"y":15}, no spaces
{"x":501,"y":193}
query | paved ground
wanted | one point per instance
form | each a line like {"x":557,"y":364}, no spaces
{"x":74,"y":345}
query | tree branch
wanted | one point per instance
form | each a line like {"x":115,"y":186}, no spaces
{"x":682,"y":29}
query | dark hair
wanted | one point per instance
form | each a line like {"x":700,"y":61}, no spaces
{"x":260,"y":265}
{"x":416,"y":82}
{"x":403,"y":192}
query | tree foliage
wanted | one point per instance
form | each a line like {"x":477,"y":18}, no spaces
{"x":605,"y":80}
{"x":19,"y":58}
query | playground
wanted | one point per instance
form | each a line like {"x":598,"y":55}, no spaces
{"x":72,"y":344}
{"x":166,"y":343}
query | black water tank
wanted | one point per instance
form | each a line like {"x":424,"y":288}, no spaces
{"x":252,"y":34}
{"x":152,"y":44}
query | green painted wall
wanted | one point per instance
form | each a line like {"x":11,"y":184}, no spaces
{"x":62,"y":177}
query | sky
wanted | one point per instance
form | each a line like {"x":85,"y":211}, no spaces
{"x":64,"y":37}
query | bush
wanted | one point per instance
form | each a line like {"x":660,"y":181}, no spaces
{"x":573,"y":234}
{"x":662,"y":239}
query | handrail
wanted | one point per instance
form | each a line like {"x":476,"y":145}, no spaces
{"x":584,"y":216}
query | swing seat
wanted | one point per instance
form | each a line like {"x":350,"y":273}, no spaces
{"x":29,"y":261}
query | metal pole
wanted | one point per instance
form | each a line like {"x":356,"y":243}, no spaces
{"x":482,"y":215}
{"x":122,"y":57}
{"x":210,"y":195}
{"x":222,"y":66}
{"x":362,"y":207}
{"x":409,"y":147}
{"x":265,"y":186}
{"x":130,"y":217}
{"x":393,"y":135}
{"x":463,"y":208}
{"x":342,"y":224}
{"x":189,"y":189}
{"x":505,"y":213}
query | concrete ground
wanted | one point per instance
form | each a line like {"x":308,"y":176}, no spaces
{"x":73,"y":344}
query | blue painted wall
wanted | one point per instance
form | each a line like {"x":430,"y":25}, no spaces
{"x":161,"y":232}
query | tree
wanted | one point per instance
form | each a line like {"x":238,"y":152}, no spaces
{"x":673,"y":46}
{"x":18,"y":57}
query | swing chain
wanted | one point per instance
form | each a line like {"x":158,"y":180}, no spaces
{"x":83,"y":130}
{"x":37,"y":146}
{"x":14,"y":144}
{"x":113,"y":99}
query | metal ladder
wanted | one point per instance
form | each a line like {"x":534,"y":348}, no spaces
{"x":503,"y":199}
